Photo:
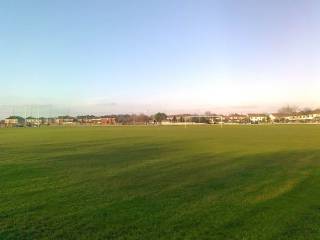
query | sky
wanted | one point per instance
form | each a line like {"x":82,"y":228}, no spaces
{"x":100,"y":57}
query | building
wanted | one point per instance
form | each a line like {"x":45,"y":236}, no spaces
{"x":94,"y":121}
{"x":88,"y":120}
{"x":47,"y":121}
{"x":258,"y":118}
{"x":32,"y":122}
{"x":108,"y":121}
{"x":65,"y":120}
{"x":237,"y":118}
{"x":309,"y":116}
{"x":316,"y":115}
{"x":14,"y":121}
{"x":278,"y":117}
{"x":298,"y":117}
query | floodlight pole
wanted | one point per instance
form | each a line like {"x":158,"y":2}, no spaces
{"x":25,"y":117}
{"x":38,"y":118}
{"x":221,"y":121}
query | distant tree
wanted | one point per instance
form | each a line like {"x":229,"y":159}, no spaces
{"x":307,"y":110}
{"x":159,"y":117}
{"x":87,"y":117}
{"x":142,"y":118}
{"x":174,"y":119}
{"x":66,"y":117}
{"x":288,"y":109}
{"x":207,"y":113}
{"x":123,"y":118}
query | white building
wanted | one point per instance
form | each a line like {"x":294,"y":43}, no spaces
{"x":258,"y":118}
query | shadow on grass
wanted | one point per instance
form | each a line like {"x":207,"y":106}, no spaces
{"x":156,"y":191}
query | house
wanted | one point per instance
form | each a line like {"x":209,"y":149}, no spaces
{"x":172,"y":118}
{"x":258,"y":118}
{"x":86,"y":120}
{"x":316,"y":115}
{"x":300,"y":117}
{"x":65,"y":120}
{"x":200,"y":119}
{"x":279,"y":118}
{"x":47,"y":121}
{"x":14,"y":121}
{"x":95,"y":121}
{"x":31,"y":121}
{"x":237,"y":118}
{"x":304,"y":117}
{"x":309,"y":116}
{"x":108,"y":120}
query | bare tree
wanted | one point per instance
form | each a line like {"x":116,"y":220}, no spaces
{"x":288,"y":109}
{"x":306,"y":110}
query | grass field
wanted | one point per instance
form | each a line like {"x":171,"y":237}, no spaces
{"x":238,"y":182}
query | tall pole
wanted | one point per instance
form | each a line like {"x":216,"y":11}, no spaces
{"x":38,"y":118}
{"x":25,"y":117}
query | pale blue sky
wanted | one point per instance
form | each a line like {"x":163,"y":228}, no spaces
{"x":124,"y":56}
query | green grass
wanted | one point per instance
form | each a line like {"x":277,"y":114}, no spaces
{"x":238,"y":182}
